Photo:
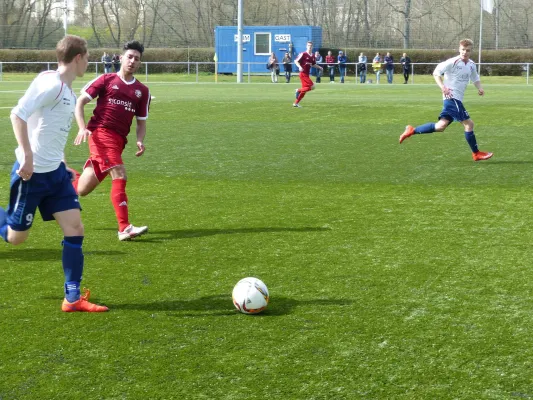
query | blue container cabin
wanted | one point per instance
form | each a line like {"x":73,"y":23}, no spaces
{"x":259,"y":42}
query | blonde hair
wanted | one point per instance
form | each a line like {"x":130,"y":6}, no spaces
{"x":69,"y":47}
{"x":466,"y":42}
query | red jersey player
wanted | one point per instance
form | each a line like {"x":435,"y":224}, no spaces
{"x":304,"y":62}
{"x":120,"y":98}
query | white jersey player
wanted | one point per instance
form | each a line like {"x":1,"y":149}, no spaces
{"x":40,"y":178}
{"x":458,"y":72}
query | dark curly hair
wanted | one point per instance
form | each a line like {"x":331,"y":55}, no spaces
{"x":133,"y":45}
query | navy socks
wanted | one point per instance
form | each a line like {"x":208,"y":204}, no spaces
{"x":72,"y":266}
{"x":472,"y":142}
{"x":3,"y":224}
{"x":426,"y":128}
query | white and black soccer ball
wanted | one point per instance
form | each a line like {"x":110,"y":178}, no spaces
{"x":250,"y":296}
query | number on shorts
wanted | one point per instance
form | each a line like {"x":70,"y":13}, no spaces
{"x":29,"y":219}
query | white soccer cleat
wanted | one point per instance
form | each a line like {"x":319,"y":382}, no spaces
{"x":132,"y":231}
{"x":297,"y":105}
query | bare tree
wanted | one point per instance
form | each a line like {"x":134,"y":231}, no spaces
{"x":409,"y":12}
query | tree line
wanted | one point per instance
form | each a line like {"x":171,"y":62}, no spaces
{"x":407,"y":24}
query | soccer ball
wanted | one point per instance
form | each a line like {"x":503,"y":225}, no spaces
{"x":250,"y":296}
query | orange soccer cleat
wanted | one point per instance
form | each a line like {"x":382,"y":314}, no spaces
{"x":82,"y":304}
{"x":409,"y":131}
{"x":481,"y":155}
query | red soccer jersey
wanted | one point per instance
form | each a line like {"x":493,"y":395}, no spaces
{"x":118,"y":101}
{"x":306,"y":61}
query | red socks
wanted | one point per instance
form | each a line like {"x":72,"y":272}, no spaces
{"x":120,"y":202}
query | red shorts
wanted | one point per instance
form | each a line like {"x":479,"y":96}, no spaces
{"x":307,"y":83}
{"x":106,"y":149}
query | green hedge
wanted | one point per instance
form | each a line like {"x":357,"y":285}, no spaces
{"x":436,"y":56}
{"x":206,"y":55}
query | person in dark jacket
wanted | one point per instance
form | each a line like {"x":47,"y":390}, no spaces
{"x":406,"y":67}
{"x":341,"y":60}
{"x":389,"y":67}
{"x":287,"y":67}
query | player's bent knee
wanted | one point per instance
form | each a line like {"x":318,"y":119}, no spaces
{"x":17,"y":237}
{"x":118,"y":173}
{"x":441,"y":126}
{"x":74,"y":230}
{"x":86,"y":186}
{"x":469,"y":126}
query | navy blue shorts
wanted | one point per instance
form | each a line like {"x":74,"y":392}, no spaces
{"x":453,"y":110}
{"x":50,"y":191}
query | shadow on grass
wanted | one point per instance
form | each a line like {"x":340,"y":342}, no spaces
{"x":159,"y":236}
{"x":222,"y":305}
{"x":510,"y":162}
{"x":47,"y":254}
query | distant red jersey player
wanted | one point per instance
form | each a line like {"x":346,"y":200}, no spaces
{"x":121,"y":97}
{"x":304,"y":62}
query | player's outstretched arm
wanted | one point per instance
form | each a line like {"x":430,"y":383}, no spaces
{"x":141,"y":133}
{"x":83,"y":132}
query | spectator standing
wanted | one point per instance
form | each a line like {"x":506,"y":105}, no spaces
{"x":273,"y":63}
{"x":116,"y":62}
{"x":107,"y":62}
{"x":330,"y":61}
{"x":389,"y":67}
{"x":341,"y":60}
{"x":406,"y":66}
{"x":319,"y":72}
{"x":287,"y":67}
{"x":361,"y":68}
{"x":376,"y":65}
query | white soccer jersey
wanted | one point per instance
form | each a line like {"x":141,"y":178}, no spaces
{"x":48,"y":109}
{"x":457,"y":74}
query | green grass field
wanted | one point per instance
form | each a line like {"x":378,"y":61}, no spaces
{"x":395,"y":271}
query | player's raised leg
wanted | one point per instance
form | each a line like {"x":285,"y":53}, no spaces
{"x":24,"y":198}
{"x":430,"y":127}
{"x":87,"y":181}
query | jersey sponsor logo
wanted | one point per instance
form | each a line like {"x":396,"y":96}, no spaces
{"x":120,"y":102}
{"x":128,"y":106}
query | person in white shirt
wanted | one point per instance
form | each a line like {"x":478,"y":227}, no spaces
{"x":40,"y":178}
{"x":458,"y":71}
{"x":361,"y":67}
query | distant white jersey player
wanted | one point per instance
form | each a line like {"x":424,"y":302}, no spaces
{"x":457,"y":72}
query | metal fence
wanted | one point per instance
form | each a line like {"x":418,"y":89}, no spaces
{"x":202,"y":72}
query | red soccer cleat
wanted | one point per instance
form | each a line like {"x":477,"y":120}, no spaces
{"x":82,"y":304}
{"x":481,"y":155}
{"x":409,"y":131}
